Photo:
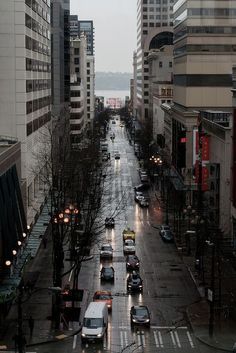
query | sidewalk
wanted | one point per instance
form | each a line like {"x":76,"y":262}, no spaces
{"x":37,"y":302}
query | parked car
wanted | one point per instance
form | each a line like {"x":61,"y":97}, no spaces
{"x":167,"y":236}
{"x":129,"y":246}
{"x":143,"y":202}
{"x":140,"y":315}
{"x":106,"y":251}
{"x":117,"y":154}
{"x":109,"y":222}
{"x":103,"y":296}
{"x":132,"y":262}
{"x":105,"y":157}
{"x":138,"y":195}
{"x":107,"y":274}
{"x":142,"y":187}
{"x":163,"y":227}
{"x":134,"y":282}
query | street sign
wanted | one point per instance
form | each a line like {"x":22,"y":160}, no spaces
{"x":210,"y":295}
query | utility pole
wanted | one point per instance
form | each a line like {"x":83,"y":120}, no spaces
{"x":211,"y":297}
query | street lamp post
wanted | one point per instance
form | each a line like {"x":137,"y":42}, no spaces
{"x":211,"y":291}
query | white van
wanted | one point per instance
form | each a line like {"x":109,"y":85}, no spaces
{"x":95,"y":322}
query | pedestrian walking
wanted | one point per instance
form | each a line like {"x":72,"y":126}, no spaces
{"x":31,"y":325}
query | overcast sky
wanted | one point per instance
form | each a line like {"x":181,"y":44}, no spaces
{"x":115,"y":31}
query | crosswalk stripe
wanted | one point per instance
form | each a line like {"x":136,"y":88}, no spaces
{"x":173,"y":339}
{"x":156,"y":339}
{"x":126,"y":338}
{"x":160,"y":338}
{"x":177,"y":339}
{"x":190,"y":339}
{"x":121,"y":339}
{"x":75,"y":341}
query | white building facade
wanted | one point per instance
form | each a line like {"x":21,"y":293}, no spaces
{"x":25,"y":84}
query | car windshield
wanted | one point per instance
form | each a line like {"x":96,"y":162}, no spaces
{"x":140,"y":311}
{"x":108,"y":270}
{"x":102,"y":296}
{"x":106,"y":248}
{"x":93,"y":322}
{"x":129,"y":242}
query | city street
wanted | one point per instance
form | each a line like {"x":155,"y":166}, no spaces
{"x":167,"y":285}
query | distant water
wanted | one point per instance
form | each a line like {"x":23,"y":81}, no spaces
{"x":113,"y":94}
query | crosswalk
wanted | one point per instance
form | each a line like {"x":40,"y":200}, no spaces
{"x":161,"y":337}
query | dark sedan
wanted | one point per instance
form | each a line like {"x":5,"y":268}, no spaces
{"x":132,"y":262}
{"x":167,"y":236}
{"x":134,"y":282}
{"x":107,"y":274}
{"x":139,"y":315}
{"x":109,"y":222}
{"x":142,"y":187}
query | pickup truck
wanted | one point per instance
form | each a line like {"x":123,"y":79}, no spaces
{"x":128,"y":234}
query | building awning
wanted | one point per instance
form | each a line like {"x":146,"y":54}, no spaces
{"x":175,"y":179}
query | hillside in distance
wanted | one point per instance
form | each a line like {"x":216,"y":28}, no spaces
{"x":112,"y":80}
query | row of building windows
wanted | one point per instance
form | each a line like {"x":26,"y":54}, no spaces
{"x":157,"y":17}
{"x":39,"y":10}
{"x":75,"y":93}
{"x":212,"y":12}
{"x":161,"y":64}
{"x":36,"y":27}
{"x":76,"y":116}
{"x":37,"y":65}
{"x":203,"y":80}
{"x":36,"y":46}
{"x":36,"y":104}
{"x":163,"y":2}
{"x":196,"y":48}
{"x":153,"y":9}
{"x":37,"y":85}
{"x":37,"y":123}
{"x":76,"y":127}
{"x":75,"y":105}
{"x":204,"y":30}
{"x":158,"y":24}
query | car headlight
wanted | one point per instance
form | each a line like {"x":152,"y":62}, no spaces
{"x":128,"y":263}
{"x":99,"y":335}
{"x":140,"y":286}
{"x":147,"y":320}
{"x":134,"y":320}
{"x":129,"y":286}
{"x":83,"y":335}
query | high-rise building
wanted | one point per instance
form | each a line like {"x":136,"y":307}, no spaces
{"x":25,"y":85}
{"x":154,"y":30}
{"x":78,"y":79}
{"x":60,"y":57}
{"x":86,"y":27}
{"x":204,"y":53}
{"x":79,"y":28}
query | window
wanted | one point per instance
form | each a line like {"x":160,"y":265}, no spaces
{"x":160,"y":63}
{"x":76,"y":51}
{"x":170,"y":63}
{"x":76,"y":61}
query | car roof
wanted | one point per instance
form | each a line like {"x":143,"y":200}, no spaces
{"x":102,"y":292}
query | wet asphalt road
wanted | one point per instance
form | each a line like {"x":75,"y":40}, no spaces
{"x":168,"y":287}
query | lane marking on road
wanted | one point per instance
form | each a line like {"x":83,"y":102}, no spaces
{"x":156,"y":339}
{"x":160,"y":339}
{"x":121,"y":339}
{"x":190,"y":339}
{"x":126,"y":338}
{"x":173,"y":338}
{"x":74,"y":341}
{"x":169,"y":327}
{"x":177,"y":339}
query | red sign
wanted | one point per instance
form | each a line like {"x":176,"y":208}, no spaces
{"x":205,"y":176}
{"x":205,"y":140}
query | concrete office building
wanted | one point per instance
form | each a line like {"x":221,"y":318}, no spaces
{"x":154,"y":29}
{"x":60,"y":58}
{"x":160,"y":89}
{"x":78,"y":79}
{"x":77,"y":29}
{"x":25,"y":85}
{"x":204,"y":53}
